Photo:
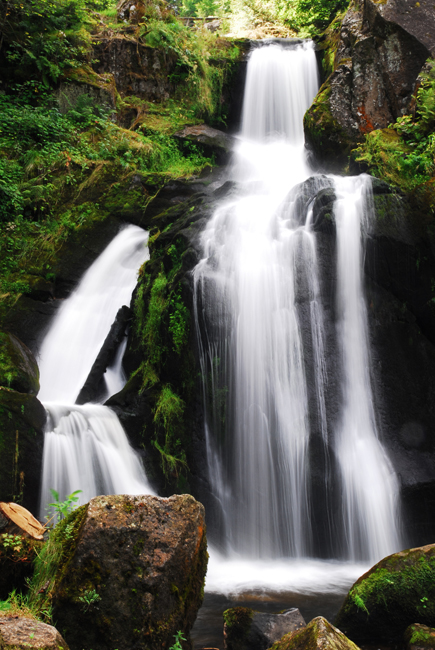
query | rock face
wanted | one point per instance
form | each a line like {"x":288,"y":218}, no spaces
{"x":397,"y":591}
{"x":377,"y":57}
{"x":19,"y":369}
{"x":28,"y":634}
{"x":22,"y":419}
{"x":320,"y":634}
{"x":92,"y":387}
{"x":211,"y":140}
{"x":245,"y":629}
{"x":418,"y":637}
{"x":133,"y":575}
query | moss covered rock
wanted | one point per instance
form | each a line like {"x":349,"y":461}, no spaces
{"x":18,"y":367}
{"x":373,"y":64}
{"x":319,"y":633}
{"x":22,"y":419}
{"x":418,"y":637}
{"x":129,"y":572}
{"x":398,"y":591}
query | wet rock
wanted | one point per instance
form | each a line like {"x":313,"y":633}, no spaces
{"x":18,"y":369}
{"x":22,"y":419}
{"x":395,"y":592}
{"x":376,"y":62}
{"x":137,"y":69}
{"x":245,"y":629}
{"x":92,"y":387}
{"x":212,"y":141}
{"x":143,"y":560}
{"x":27,"y":634}
{"x":319,"y":633}
{"x":418,"y":637}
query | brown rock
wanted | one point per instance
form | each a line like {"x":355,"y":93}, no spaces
{"x":245,"y":629}
{"x":419,"y":637}
{"x":19,"y":369}
{"x":28,"y":634}
{"x":134,"y":574}
{"x":319,"y":634}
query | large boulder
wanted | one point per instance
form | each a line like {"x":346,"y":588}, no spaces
{"x":18,"y":367}
{"x":318,"y":634}
{"x":245,"y":629}
{"x":130,"y":572}
{"x":18,"y":633}
{"x":22,"y":419}
{"x":398,"y":591}
{"x":375,"y":56}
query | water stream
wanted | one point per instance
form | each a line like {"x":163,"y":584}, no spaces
{"x":85,"y":447}
{"x":272,"y":388}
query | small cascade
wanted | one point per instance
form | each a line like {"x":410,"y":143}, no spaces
{"x":370,"y":487}
{"x":260,"y":322}
{"x":85,"y":447}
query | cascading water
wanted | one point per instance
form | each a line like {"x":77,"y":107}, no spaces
{"x":370,"y":487}
{"x":85,"y":447}
{"x":261,"y":333}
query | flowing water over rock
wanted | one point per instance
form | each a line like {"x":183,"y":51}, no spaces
{"x":272,"y":386}
{"x":85,"y":447}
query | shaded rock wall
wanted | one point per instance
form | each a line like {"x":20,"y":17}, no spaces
{"x":375,"y":58}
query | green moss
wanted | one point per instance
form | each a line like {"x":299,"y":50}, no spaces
{"x":53,"y":561}
{"x":396,"y":592}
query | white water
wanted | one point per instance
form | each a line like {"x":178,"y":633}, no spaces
{"x":85,"y":447}
{"x":259,"y":317}
{"x":370,"y":487}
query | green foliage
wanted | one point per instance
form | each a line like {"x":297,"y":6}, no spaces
{"x":89,"y":598}
{"x":43,"y":38}
{"x":63,"y":508}
{"x":179,"y":319}
{"x":404,"y":154}
{"x":52,"y":561}
{"x":309,"y":17}
{"x":179,"y":637}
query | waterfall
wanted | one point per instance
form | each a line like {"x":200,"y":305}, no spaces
{"x":85,"y":447}
{"x":370,"y":487}
{"x":261,"y":334}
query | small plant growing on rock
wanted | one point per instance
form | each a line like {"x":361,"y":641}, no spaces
{"x":89,"y":598}
{"x":179,"y":637}
{"x":63,"y":508}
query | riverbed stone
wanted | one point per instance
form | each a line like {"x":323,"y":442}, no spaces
{"x":19,"y":633}
{"x":131,"y":572}
{"x":396,"y":592}
{"x":246,"y":629}
{"x":319,"y":633}
{"x":419,"y":637}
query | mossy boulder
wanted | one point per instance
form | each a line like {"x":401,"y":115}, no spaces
{"x":22,"y":419}
{"x":418,"y":637}
{"x":398,"y":591}
{"x":20,"y":633}
{"x":245,"y":629}
{"x":319,"y":633}
{"x":129,"y":572}
{"x":18,"y":367}
{"x":374,"y":64}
